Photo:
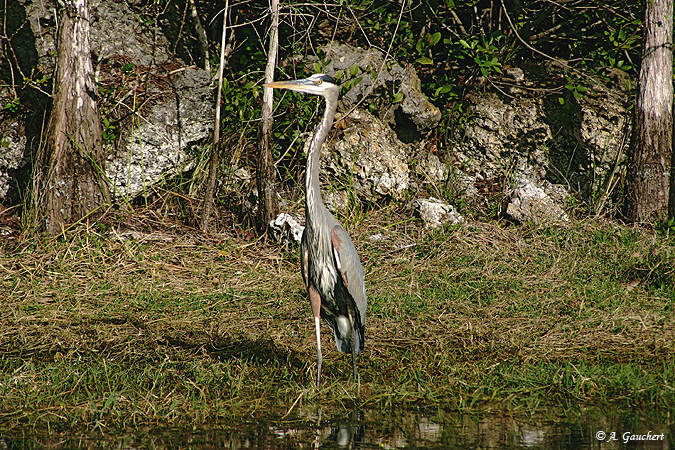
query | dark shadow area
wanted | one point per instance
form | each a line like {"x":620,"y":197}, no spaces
{"x":18,"y":52}
{"x":262,"y":351}
{"x":406,"y":131}
{"x":176,"y":23}
{"x":24,"y":103}
{"x":570,"y":162}
{"x":258,"y":351}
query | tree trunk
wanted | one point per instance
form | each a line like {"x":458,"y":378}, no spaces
{"x":265,"y":174}
{"x":650,"y":159}
{"x":69,"y":183}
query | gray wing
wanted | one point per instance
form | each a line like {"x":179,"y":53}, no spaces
{"x":351,"y":272}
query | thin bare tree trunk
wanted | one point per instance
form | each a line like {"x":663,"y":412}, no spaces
{"x":215,"y":149}
{"x":265,"y":174}
{"x":70,"y":183}
{"x":650,"y":159}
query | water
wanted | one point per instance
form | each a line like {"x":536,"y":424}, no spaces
{"x":440,"y":429}
{"x":400,"y":429}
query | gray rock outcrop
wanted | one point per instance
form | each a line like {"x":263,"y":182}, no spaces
{"x":158,"y":145}
{"x":12,"y":146}
{"x":574,"y":145}
{"x":547,"y":145}
{"x":529,"y":203}
{"x":504,"y":137}
{"x":286,"y":230}
{"x":119,"y":32}
{"x":413,"y":105}
{"x":435,"y":213}
{"x":431,"y":170}
{"x":116,"y":31}
{"x":368,"y":158}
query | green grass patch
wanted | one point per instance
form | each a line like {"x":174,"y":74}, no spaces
{"x":104,"y":333}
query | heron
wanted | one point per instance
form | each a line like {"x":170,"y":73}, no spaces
{"x":329,"y":263}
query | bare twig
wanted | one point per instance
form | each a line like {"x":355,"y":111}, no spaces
{"x":201,"y":35}
{"x":213,"y":163}
{"x":535,"y":37}
{"x":455,"y":17}
{"x":180,"y":30}
{"x":526,"y":44}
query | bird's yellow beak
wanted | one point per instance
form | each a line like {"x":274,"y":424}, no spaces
{"x":303,"y":85}
{"x":287,"y":84}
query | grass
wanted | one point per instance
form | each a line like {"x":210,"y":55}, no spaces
{"x":105,"y":331}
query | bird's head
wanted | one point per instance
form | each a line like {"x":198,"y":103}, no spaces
{"x":317,"y":84}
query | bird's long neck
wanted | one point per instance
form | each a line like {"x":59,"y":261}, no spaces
{"x":313,"y":200}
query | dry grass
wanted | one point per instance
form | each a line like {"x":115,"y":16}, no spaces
{"x":127,"y":328}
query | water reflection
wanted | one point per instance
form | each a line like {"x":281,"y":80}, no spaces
{"x":493,"y":430}
{"x":396,"y":429}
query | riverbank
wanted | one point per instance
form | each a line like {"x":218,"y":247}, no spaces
{"x":107,"y":330}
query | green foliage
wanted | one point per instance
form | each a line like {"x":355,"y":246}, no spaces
{"x":240,"y":102}
{"x":20,"y":98}
{"x":622,"y":37}
{"x":128,"y":68}
{"x":350,"y":82}
{"x":424,"y":46}
{"x":667,"y":227}
{"x":108,"y":131}
{"x":40,"y":81}
{"x":450,"y":43}
{"x":577,"y":90}
{"x":448,"y":40}
{"x":12,"y":105}
{"x":484,"y":52}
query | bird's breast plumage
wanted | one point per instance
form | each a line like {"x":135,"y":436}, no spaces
{"x":322,"y":271}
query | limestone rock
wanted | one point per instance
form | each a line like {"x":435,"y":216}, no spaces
{"x":604,"y":125}
{"x":516,"y":74}
{"x":556,"y":145}
{"x":435,"y":213}
{"x":41,"y":16}
{"x":335,"y":201}
{"x":12,"y":145}
{"x":118,"y":31}
{"x":529,"y":203}
{"x":504,"y":135}
{"x":377,"y":237}
{"x":368,"y":158}
{"x":414,"y":106}
{"x":158,"y":146}
{"x":285,"y":229}
{"x":243,"y":174}
{"x":431,"y":170}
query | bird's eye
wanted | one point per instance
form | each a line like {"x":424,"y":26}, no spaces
{"x":319,"y":81}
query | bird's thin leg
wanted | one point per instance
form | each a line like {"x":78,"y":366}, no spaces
{"x":355,"y":371}
{"x":315,"y":300}
{"x":319,"y":358}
